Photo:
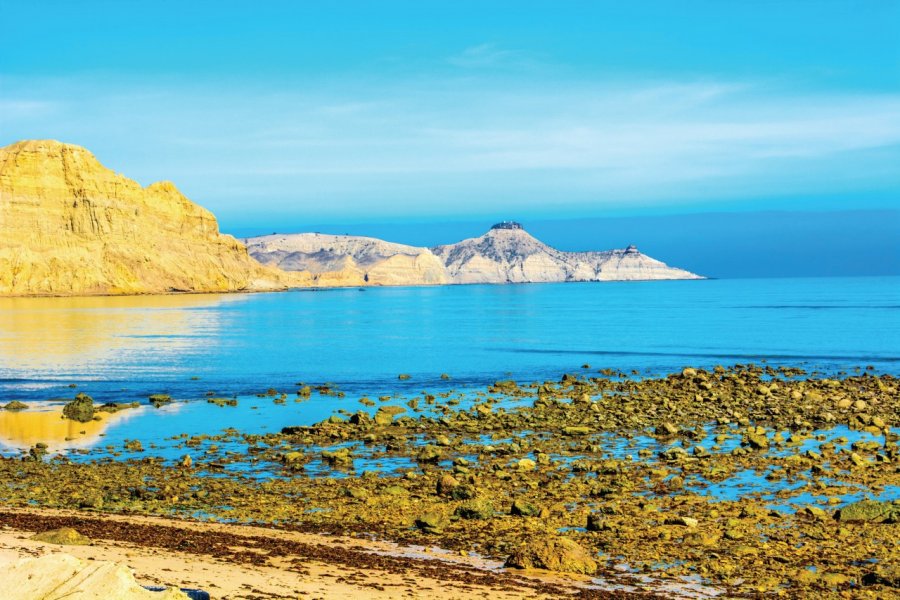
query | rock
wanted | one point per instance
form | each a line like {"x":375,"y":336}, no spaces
{"x":869,"y":511}
{"x":683,"y":521}
{"x":356,"y":493}
{"x":756,"y":438}
{"x":521,"y":508}
{"x":597,"y":522}
{"x":385,"y":414}
{"x":446,"y":485}
{"x":555,"y":554}
{"x":476,"y":508}
{"x":666,"y":429}
{"x":80,"y":409}
{"x":463,"y":492}
{"x":526,"y":464}
{"x":888,"y":575}
{"x":577,"y":430}
{"x":158,"y":400}
{"x":404,"y":376}
{"x":15,"y":405}
{"x":57,"y":576}
{"x":429,"y":454}
{"x":431,"y":522}
{"x":338,"y":458}
{"x":65,"y":536}
{"x":73,"y":227}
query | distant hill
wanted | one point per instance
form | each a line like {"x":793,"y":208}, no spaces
{"x":70,"y":226}
{"x":505,"y":254}
{"x":349,"y":260}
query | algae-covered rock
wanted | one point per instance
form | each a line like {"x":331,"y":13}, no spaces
{"x":555,"y":554}
{"x":65,"y":536}
{"x":870,"y":511}
{"x":429,"y":454}
{"x":385,"y":414}
{"x":432,"y":522}
{"x":521,"y":508}
{"x":80,"y":409}
{"x":15,"y":405}
{"x":158,"y":400}
{"x":476,"y":508}
{"x":446,"y":485}
{"x":888,"y":575}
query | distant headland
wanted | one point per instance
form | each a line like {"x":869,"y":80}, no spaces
{"x":73,"y":227}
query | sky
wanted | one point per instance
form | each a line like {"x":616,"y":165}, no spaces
{"x":695,"y":128}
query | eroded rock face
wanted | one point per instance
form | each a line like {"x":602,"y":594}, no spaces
{"x":58,"y":576}
{"x":505,"y":254}
{"x":509,"y":254}
{"x":349,"y":260}
{"x":70,"y":226}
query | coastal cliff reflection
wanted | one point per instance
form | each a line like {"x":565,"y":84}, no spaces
{"x":45,"y":338}
{"x":21,"y":430}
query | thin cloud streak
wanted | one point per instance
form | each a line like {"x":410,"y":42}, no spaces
{"x":460,"y":142}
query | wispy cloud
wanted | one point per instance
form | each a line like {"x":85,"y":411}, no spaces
{"x":489,"y":55}
{"x":439,"y":146}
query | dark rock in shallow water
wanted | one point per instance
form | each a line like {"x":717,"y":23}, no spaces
{"x":80,"y":409}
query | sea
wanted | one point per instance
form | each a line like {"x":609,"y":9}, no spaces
{"x":359,"y":341}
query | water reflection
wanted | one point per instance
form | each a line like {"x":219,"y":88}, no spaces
{"x":91,"y":336}
{"x":21,"y":430}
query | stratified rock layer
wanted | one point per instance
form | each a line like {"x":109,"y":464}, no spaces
{"x":349,"y":260}
{"x":70,"y":226}
{"x":509,"y":254}
{"x":505,"y":254}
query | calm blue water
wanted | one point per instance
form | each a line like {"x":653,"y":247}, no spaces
{"x":124,"y":348}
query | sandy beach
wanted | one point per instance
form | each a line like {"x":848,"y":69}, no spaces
{"x":232,"y":561}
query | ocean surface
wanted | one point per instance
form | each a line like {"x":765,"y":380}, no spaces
{"x":246,"y":342}
{"x":123,"y":349}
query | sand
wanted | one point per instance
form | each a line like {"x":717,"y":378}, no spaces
{"x":345,"y":569}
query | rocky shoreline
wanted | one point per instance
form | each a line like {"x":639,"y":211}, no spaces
{"x":746,"y":479}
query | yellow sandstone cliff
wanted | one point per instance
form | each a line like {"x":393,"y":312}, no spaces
{"x":70,"y":226}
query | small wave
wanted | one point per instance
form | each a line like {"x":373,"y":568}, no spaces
{"x":724,"y":356}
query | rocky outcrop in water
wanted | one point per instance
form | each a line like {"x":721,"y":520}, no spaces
{"x":70,"y":226}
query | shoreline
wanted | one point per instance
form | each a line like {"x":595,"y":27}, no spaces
{"x":743,"y":480}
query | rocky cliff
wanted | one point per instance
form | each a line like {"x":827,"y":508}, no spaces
{"x":349,"y":260}
{"x":509,"y":254}
{"x":70,"y":226}
{"x":505,"y":254}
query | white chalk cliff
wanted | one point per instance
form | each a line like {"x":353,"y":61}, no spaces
{"x":505,"y":254}
{"x":349,"y":260}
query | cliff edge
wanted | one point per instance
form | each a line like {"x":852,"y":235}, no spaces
{"x":70,"y":226}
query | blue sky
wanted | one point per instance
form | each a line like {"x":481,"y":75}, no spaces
{"x":289,"y":115}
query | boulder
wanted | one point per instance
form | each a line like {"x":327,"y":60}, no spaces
{"x":65,"y":536}
{"x":80,"y":409}
{"x":553,"y":553}
{"x":869,"y":511}
{"x":476,"y":508}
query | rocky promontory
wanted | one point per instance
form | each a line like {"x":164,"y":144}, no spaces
{"x":70,"y":226}
{"x":505,"y":254}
